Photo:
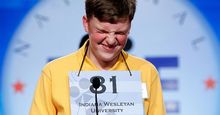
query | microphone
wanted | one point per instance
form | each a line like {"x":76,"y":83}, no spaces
{"x":96,"y":85}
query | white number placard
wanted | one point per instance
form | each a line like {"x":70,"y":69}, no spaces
{"x":118,"y":94}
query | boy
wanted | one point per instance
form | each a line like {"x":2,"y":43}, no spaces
{"x":108,"y":24}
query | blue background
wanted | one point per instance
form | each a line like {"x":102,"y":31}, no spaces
{"x":12,"y":13}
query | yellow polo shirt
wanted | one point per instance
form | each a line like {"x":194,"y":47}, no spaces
{"x":52,"y":94}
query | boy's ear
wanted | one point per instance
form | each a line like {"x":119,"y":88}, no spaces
{"x":85,"y":23}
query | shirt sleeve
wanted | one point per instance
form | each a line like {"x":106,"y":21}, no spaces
{"x":42,"y":101}
{"x":156,"y":103}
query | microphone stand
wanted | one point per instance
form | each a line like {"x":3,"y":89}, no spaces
{"x":96,"y":85}
{"x":96,"y":102}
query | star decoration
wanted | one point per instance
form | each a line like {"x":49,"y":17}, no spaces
{"x":210,"y":83}
{"x":18,"y":87}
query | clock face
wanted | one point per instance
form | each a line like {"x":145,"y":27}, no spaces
{"x":171,"y":34}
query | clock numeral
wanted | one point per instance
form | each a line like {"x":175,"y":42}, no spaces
{"x":41,"y":19}
{"x":154,"y":1}
{"x":197,"y":41}
{"x":21,"y":47}
{"x":67,"y":2}
{"x":181,"y":17}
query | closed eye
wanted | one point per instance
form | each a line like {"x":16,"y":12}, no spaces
{"x":102,"y":31}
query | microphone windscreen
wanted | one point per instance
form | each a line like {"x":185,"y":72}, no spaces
{"x":96,"y":82}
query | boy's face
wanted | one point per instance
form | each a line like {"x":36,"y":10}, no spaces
{"x":106,"y":40}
